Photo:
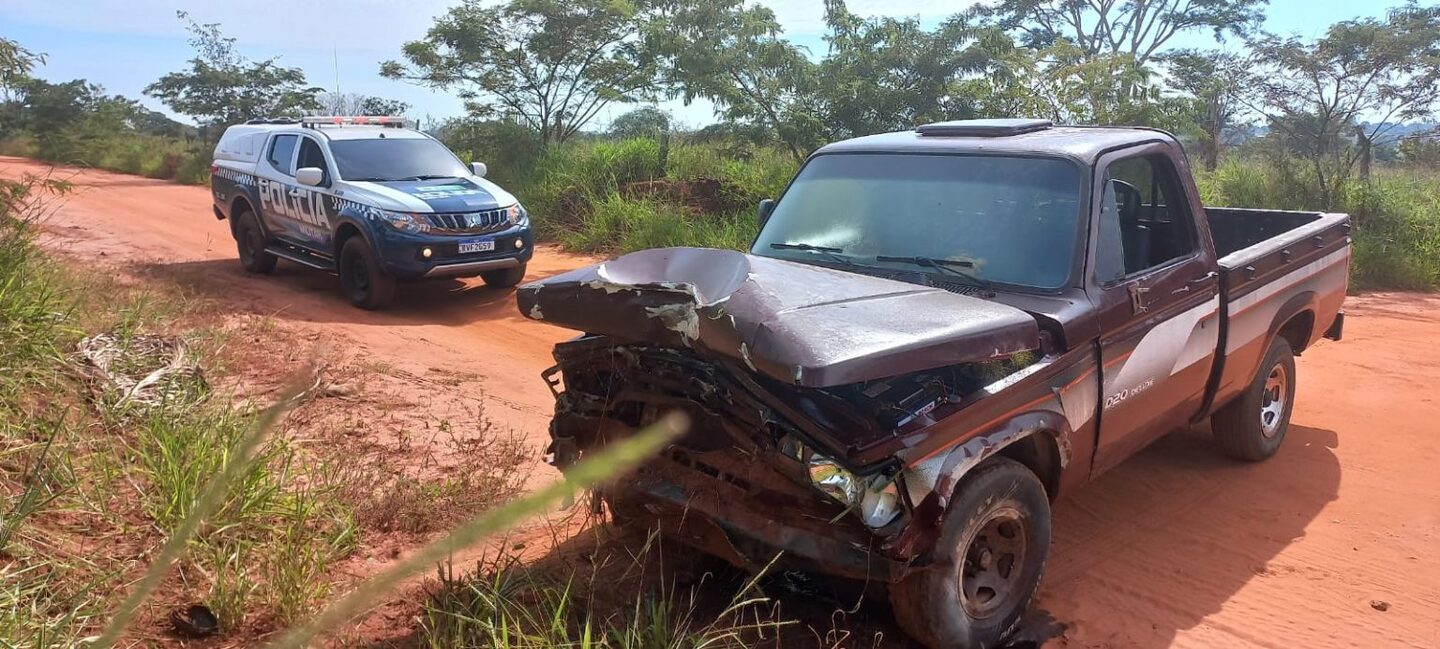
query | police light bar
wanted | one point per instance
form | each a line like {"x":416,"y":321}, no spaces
{"x":352,"y":120}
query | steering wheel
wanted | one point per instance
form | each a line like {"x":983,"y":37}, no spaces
{"x":1129,"y":199}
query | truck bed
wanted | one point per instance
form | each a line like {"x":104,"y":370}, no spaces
{"x":1273,"y":265}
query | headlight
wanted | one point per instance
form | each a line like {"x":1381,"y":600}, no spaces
{"x":877,"y":498}
{"x":515,"y":214}
{"x":405,"y":221}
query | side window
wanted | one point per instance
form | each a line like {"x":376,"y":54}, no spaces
{"x":311,"y":156}
{"x":282,"y":152}
{"x":1144,"y":221}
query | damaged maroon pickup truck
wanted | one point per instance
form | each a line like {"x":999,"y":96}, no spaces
{"x":936,"y":334}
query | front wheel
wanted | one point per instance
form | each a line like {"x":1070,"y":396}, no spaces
{"x":361,"y":275}
{"x":1253,"y":425}
{"x":988,"y":561}
{"x":505,"y":277}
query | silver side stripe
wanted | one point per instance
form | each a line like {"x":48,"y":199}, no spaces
{"x":1308,"y":271}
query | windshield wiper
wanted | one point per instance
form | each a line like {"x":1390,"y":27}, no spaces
{"x":951,"y":266}
{"x":431,"y":177}
{"x":374,"y":179}
{"x":831,"y":253}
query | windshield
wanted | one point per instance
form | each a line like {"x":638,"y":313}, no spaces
{"x":998,"y":219}
{"x":395,"y":159}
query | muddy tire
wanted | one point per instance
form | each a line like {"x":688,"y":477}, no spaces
{"x":250,"y":242}
{"x":505,"y":277}
{"x":987,"y":563}
{"x":363,"y":277}
{"x":1253,"y":426}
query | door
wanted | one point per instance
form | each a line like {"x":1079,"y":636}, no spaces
{"x":311,"y":205}
{"x":294,"y":213}
{"x":1157,"y":296}
{"x":277,"y":174}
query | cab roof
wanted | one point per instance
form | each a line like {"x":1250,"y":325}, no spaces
{"x":1025,"y":137}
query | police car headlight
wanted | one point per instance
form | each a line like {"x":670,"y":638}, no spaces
{"x":405,"y":221}
{"x":876,"y":499}
{"x":516,"y":214}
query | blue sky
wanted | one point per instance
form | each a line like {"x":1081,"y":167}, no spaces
{"x":125,"y":45}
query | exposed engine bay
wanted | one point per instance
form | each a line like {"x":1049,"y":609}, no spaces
{"x":755,"y":442}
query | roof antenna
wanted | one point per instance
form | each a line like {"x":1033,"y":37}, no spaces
{"x":335,"y":51}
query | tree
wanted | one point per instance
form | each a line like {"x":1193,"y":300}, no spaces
{"x":223,"y":87}
{"x":1221,"y":84}
{"x":1064,"y":83}
{"x":889,"y":74}
{"x":1337,"y":98}
{"x":350,"y":103}
{"x":16,"y":62}
{"x":552,"y":64}
{"x":1136,"y":28}
{"x":735,"y":56}
{"x":649,"y":122}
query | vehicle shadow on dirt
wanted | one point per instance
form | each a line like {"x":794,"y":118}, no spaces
{"x":293,"y":292}
{"x":1167,"y":538}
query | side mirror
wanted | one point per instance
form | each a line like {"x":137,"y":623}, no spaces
{"x":479,"y":169}
{"x":762,"y":213}
{"x":310,"y":176}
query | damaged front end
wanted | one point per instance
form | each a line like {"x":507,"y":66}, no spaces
{"x":812,"y":393}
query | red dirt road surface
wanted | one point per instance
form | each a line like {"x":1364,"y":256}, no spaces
{"x":1177,"y":547}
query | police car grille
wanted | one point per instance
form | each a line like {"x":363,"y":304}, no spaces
{"x":471,"y":222}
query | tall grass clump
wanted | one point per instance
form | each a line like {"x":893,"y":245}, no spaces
{"x":615,"y":223}
{"x":505,"y":603}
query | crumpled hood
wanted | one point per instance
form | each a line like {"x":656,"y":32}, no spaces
{"x":797,"y":323}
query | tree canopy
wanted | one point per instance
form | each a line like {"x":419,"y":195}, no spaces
{"x":552,"y":64}
{"x":223,"y":87}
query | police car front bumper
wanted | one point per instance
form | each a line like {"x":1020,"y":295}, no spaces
{"x":472,"y":267}
{"x":405,"y":257}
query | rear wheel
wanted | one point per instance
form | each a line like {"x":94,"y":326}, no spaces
{"x":363,"y":277}
{"x":1253,"y":426}
{"x":505,"y":277}
{"x":250,"y":242}
{"x":987,"y":562}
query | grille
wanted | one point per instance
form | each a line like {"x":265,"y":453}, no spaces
{"x":472,"y":222}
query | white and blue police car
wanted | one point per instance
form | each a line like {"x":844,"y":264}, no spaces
{"x":368,"y":198}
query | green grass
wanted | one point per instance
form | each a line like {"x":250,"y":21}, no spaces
{"x":1396,"y":215}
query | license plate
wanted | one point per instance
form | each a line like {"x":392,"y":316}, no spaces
{"x":467,"y":247}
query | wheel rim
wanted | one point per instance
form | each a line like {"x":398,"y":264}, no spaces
{"x":1272,"y":401}
{"x":358,"y":274}
{"x":994,"y":560}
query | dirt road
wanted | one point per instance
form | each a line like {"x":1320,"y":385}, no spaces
{"x":1177,"y":547}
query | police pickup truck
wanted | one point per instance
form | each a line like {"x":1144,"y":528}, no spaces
{"x":367,"y":198}
{"x":936,"y":333}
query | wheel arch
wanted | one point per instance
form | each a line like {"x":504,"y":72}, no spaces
{"x":1295,"y":322}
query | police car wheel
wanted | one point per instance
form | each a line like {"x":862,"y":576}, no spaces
{"x":361,"y":275}
{"x":505,"y":277}
{"x":251,"y":243}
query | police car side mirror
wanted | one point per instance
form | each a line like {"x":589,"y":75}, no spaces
{"x":478,"y":168}
{"x":310,"y":176}
{"x":762,"y":213}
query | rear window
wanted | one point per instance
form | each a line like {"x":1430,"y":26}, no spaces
{"x":282,"y":154}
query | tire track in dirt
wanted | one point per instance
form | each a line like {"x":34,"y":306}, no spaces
{"x":1176,"y":547}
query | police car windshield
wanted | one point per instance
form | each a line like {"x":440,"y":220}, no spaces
{"x":395,"y":159}
{"x":998,"y":219}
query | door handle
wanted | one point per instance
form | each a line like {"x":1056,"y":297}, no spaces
{"x":1198,"y":281}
